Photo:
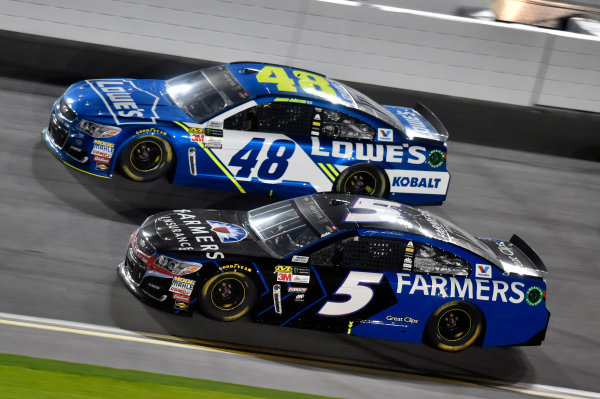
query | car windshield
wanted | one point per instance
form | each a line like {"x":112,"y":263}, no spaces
{"x":371,"y":107}
{"x":204,"y":93}
{"x":288,"y":226}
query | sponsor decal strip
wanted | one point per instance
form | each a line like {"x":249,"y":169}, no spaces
{"x":216,"y":161}
{"x":74,"y":167}
{"x":41,"y":323}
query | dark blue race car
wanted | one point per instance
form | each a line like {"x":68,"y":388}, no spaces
{"x":343,"y":263}
{"x":251,"y":127}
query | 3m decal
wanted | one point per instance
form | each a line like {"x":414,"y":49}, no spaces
{"x":284,"y":277}
{"x":483,"y":271}
{"x":360,"y":295}
{"x":122,"y":99}
{"x":227,"y":232}
{"x":385,"y":134}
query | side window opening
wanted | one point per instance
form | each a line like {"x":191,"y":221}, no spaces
{"x":429,"y":259}
{"x":337,"y":124}
{"x":276,"y":117}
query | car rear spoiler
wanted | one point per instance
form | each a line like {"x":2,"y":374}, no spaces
{"x":529,"y":252}
{"x":433,"y":120}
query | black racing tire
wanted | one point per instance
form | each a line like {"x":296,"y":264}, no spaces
{"x":146,"y":158}
{"x":363,"y":179}
{"x":227,"y":296}
{"x":454,"y":327}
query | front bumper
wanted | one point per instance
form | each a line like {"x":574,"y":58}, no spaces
{"x":150,"y":287}
{"x":72,"y":147}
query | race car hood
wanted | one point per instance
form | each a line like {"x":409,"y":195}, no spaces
{"x":123,"y":101}
{"x":419,"y":122}
{"x":200,"y":234}
{"x":516,"y":256}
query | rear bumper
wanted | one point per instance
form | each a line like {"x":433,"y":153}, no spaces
{"x":537,"y":339}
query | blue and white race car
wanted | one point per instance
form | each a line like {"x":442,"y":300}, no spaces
{"x":251,"y":127}
{"x":355,"y":265}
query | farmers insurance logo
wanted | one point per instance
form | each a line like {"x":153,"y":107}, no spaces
{"x":483,"y":271}
{"x":124,"y":100}
{"x":227,"y":232}
{"x":385,"y":134}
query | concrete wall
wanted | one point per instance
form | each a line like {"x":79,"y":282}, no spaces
{"x":364,"y":43}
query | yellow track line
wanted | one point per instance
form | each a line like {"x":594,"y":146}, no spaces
{"x":202,"y":345}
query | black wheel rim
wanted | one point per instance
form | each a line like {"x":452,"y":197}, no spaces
{"x":361,"y":183}
{"x":228,"y":294}
{"x":454,"y":325}
{"x":146,"y":156}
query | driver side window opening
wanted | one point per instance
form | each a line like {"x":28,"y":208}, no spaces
{"x":275,"y":117}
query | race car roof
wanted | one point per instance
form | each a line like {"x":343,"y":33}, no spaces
{"x":268,"y":79}
{"x":352,"y":211}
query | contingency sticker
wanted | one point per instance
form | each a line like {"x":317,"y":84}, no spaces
{"x":183,"y":286}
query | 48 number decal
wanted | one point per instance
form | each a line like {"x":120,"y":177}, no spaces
{"x":271,"y":168}
{"x":309,"y":82}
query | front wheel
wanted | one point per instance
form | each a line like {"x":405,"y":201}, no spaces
{"x":363,"y":179}
{"x":146,"y":158}
{"x":227,"y":296}
{"x":454,"y":327}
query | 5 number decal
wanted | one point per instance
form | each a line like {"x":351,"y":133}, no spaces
{"x":360,"y":295}
{"x":309,"y":82}
{"x":272,"y":167}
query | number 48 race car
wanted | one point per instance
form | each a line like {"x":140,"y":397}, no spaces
{"x":337,"y":262}
{"x":251,"y":127}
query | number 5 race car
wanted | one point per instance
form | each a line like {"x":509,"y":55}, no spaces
{"x":251,"y":127}
{"x":338,"y":262}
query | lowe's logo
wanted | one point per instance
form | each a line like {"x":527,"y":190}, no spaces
{"x":124,"y":100}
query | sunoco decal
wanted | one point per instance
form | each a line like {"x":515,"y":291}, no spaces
{"x":124,"y":100}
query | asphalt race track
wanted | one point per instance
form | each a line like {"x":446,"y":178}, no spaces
{"x":64,"y":232}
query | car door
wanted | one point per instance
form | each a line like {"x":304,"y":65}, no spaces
{"x":261,"y":148}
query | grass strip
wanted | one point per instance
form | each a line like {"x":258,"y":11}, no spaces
{"x":23,"y":377}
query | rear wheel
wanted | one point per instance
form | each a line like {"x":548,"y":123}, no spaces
{"x":146,"y":158}
{"x":227,"y":296}
{"x":454,"y":327}
{"x":363,"y":179}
